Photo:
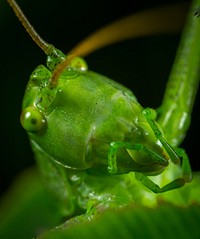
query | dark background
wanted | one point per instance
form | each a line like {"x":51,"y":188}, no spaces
{"x":143,"y":65}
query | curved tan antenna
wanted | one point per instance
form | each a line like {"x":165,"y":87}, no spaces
{"x":160,"y":20}
{"x":166,"y":19}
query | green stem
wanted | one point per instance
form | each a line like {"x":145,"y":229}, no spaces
{"x":175,"y":112}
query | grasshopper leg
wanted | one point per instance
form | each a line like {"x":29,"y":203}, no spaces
{"x":115,"y":146}
{"x":177,"y":183}
{"x":145,"y":180}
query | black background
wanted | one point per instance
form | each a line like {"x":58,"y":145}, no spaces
{"x":143,"y":65}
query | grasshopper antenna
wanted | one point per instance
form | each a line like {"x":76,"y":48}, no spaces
{"x":46,"y":47}
{"x":160,"y":20}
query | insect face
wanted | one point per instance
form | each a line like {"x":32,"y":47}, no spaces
{"x":75,"y":122}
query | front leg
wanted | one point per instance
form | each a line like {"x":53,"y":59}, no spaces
{"x":115,"y":146}
{"x":177,"y":183}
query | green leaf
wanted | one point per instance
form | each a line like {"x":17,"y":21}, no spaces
{"x":165,"y":221}
{"x":27,"y":210}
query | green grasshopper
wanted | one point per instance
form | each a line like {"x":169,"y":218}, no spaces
{"x":91,"y":136}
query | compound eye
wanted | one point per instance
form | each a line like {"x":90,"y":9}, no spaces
{"x":32,"y":120}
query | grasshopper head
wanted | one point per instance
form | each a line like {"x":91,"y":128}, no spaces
{"x":75,"y":120}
